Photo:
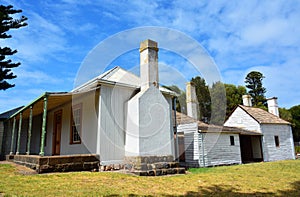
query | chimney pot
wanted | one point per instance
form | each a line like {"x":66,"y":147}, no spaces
{"x":273,"y":106}
{"x":247,"y":100}
{"x":149,"y":64}
{"x":191,"y":100}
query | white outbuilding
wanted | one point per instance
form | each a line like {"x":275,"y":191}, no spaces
{"x":277,"y":138}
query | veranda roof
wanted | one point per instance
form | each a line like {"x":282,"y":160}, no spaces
{"x":55,"y":99}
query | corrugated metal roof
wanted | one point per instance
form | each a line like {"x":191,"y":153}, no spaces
{"x":7,"y":114}
{"x":118,"y":76}
{"x":209,"y":128}
{"x":55,"y":99}
{"x":262,"y":116}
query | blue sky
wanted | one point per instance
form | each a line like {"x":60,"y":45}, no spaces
{"x":240,"y":36}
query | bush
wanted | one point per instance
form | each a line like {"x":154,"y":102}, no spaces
{"x":297,"y":149}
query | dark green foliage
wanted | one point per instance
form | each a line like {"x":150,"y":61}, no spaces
{"x":256,"y":90}
{"x":218,"y":103}
{"x":234,"y":96}
{"x":285,"y":114}
{"x":203,"y":96}
{"x":7,"y":22}
{"x":181,"y":99}
{"x":297,"y":149}
{"x":295,"y":112}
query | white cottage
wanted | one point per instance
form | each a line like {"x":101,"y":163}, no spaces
{"x":203,"y":145}
{"x":277,"y":138}
{"x":116,"y":118}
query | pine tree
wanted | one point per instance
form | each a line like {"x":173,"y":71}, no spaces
{"x":256,"y":90}
{"x":7,"y":22}
{"x":204,"y":100}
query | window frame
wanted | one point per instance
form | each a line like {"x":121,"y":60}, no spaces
{"x":232,"y":142}
{"x":277,"y":142}
{"x":75,"y":107}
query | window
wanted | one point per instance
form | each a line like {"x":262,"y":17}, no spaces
{"x":276,"y":138}
{"x":76,"y":117}
{"x":232,"y":140}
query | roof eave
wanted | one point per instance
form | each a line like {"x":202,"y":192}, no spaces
{"x":30,"y":104}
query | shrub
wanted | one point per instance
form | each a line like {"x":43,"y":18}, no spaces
{"x":297,"y":149}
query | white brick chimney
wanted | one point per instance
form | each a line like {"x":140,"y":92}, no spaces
{"x":247,"y":100}
{"x":148,"y":64}
{"x":191,"y":100}
{"x":148,"y":118}
{"x":273,"y":106}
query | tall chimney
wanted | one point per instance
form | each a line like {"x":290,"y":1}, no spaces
{"x":273,"y":106}
{"x":148,"y":64}
{"x":191,"y":100}
{"x":247,"y":100}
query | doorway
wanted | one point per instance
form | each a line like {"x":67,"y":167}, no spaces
{"x":57,"y":132}
{"x":251,"y":149}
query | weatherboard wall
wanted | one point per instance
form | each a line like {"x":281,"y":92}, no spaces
{"x":191,"y":143}
{"x":285,"y":150}
{"x":218,"y":150}
{"x":112,"y":118}
{"x":241,"y":119}
{"x":209,"y":149}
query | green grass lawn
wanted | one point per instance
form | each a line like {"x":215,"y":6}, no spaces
{"x":260,"y":179}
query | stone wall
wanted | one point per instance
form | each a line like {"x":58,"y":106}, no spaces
{"x":66,"y":163}
{"x":153,"y":165}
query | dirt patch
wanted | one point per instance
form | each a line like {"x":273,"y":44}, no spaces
{"x":20,"y":169}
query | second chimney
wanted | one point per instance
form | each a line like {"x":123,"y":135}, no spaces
{"x":191,"y":100}
{"x":247,"y":100}
{"x":273,"y":106}
{"x":148,"y":64}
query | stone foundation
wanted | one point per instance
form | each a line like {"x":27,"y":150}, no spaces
{"x":153,"y":165}
{"x":66,"y":163}
{"x":9,"y":157}
{"x":141,"y":165}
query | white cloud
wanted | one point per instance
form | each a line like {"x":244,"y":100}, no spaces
{"x":36,"y":77}
{"x":240,"y":35}
{"x":281,"y":80}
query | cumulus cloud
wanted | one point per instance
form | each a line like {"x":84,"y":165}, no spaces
{"x":239,"y":35}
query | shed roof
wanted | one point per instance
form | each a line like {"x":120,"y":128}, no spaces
{"x":210,"y":128}
{"x":262,"y":116}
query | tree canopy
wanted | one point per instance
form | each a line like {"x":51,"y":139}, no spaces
{"x":218,"y":103}
{"x":295,"y":112}
{"x":203,"y":96}
{"x":256,"y":90}
{"x":212,"y":102}
{"x":7,"y":22}
{"x":181,"y":98}
{"x":234,"y":96}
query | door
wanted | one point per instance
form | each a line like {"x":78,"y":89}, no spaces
{"x":246,"y":148}
{"x":181,"y":147}
{"x":57,"y":132}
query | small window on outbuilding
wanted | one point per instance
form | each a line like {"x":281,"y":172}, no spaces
{"x":276,"y":138}
{"x":232,"y":140}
